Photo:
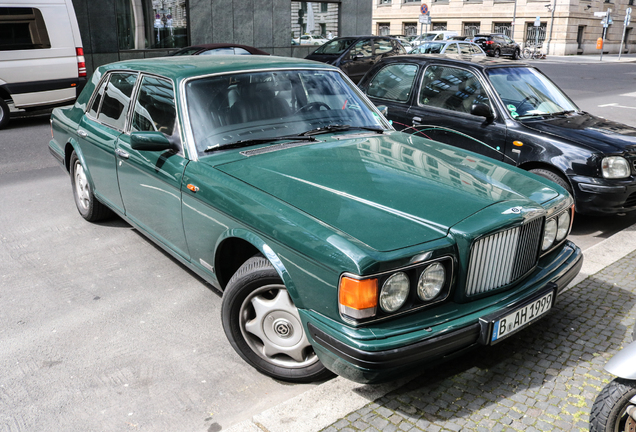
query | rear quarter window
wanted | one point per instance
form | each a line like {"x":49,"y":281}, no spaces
{"x":393,"y":82}
{"x":22,"y":28}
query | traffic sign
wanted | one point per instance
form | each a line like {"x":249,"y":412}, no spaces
{"x":628,"y":11}
{"x":600,"y":14}
{"x":537,"y":22}
{"x":424,"y":9}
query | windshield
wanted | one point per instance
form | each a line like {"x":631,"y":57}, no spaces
{"x":426,"y":37}
{"x":336,"y":46}
{"x":228,"y":109}
{"x":526,"y":92}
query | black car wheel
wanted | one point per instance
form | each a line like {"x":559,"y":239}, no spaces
{"x":4,"y":114}
{"x":264,"y":327}
{"x":87,"y":205}
{"x":515,"y":55}
{"x":497,"y":53}
{"x":554,"y":177}
{"x":609,"y":411}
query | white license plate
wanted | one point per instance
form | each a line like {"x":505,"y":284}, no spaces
{"x":522,"y":316}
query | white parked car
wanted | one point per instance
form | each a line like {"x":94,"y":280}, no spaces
{"x":433,"y":36}
{"x":449,"y":47}
{"x":311,"y":40}
{"x":41,"y":58}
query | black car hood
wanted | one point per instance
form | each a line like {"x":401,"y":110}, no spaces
{"x":586,"y":129}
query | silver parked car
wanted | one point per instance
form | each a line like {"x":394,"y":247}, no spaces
{"x":449,"y":47}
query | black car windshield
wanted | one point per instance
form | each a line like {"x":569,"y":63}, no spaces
{"x":227,"y":109}
{"x":335,"y":46}
{"x":526,"y":92}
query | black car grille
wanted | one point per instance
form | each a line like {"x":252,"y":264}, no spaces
{"x":502,"y":258}
{"x":631,"y":201}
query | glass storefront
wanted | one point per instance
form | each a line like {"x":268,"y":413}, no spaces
{"x":313,"y":23}
{"x":147,"y":24}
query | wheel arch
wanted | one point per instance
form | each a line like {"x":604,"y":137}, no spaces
{"x":237,"y":246}
{"x":560,"y":171}
{"x":70,"y":147}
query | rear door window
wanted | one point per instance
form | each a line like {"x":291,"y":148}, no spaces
{"x":117,"y":99}
{"x":155,"y":107}
{"x":451,"y":88}
{"x":393,"y":82}
{"x":363,"y":48}
{"x":22,"y":28}
{"x":383,"y":46}
{"x":451,"y":49}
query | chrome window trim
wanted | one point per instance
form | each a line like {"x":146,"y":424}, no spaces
{"x":187,"y":126}
{"x":105,"y":78}
{"x":422,"y":264}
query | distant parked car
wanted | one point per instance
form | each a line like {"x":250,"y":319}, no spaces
{"x":219,"y":49}
{"x":356,"y":54}
{"x":433,"y":36}
{"x":461,"y":38}
{"x":514,"y":113}
{"x":310,"y":40}
{"x":448,"y":47}
{"x":405,"y":41}
{"x":498,"y":44}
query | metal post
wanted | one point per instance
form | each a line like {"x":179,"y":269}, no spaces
{"x":603,"y":37}
{"x":620,"y":51}
{"x":514,"y":18}
{"x":547,"y":50}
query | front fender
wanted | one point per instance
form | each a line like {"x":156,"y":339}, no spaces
{"x":623,"y":364}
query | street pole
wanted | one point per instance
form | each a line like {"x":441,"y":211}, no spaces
{"x":603,"y":44}
{"x":514,"y":18}
{"x":547,"y":51}
{"x":625,"y":24}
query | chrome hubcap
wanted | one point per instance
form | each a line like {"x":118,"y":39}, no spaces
{"x":81,"y":186}
{"x":271,"y":326}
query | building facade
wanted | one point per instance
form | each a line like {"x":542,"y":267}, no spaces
{"x":114,"y":30}
{"x":565,"y":26}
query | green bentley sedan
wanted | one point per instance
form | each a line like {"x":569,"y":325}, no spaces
{"x":340,"y":245}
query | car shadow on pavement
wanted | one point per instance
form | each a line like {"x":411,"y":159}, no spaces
{"x":544,"y":378}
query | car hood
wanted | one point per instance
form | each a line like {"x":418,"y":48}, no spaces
{"x":593,"y":132}
{"x":387,"y":191}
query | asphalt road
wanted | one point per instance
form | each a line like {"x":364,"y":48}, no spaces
{"x":101,"y":330}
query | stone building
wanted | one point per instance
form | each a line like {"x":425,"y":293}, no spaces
{"x":566,"y":26}
{"x":114,"y":30}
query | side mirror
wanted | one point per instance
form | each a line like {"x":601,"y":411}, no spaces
{"x":482,"y":110}
{"x":384,"y":110}
{"x":150,"y":141}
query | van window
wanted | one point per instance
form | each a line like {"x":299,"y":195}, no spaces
{"x":22,"y":28}
{"x":116,"y":100}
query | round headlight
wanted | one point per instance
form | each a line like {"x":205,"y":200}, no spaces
{"x":431,"y":282}
{"x":394,"y":292}
{"x":563,"y":225}
{"x":549,"y":234}
{"x":615,"y":167}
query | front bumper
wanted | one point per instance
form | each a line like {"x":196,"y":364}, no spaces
{"x":602,"y":196}
{"x":361,"y":356}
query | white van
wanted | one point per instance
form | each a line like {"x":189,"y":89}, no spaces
{"x":433,"y":36}
{"x":41,"y":56}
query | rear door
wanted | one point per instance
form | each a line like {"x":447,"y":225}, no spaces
{"x":443,"y":105}
{"x":150,"y":181}
{"x":359,"y":60}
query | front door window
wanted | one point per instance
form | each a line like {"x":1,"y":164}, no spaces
{"x":451,"y":88}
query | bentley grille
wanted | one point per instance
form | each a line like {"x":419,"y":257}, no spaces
{"x":501,"y":258}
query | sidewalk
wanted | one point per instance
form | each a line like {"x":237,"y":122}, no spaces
{"x":588,"y":58}
{"x":544,"y":378}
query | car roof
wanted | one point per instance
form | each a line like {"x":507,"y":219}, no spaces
{"x":480,"y":62}
{"x":181,"y":67}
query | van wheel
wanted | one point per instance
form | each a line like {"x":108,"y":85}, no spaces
{"x":4,"y":114}
{"x":86,"y":203}
{"x":263,"y":325}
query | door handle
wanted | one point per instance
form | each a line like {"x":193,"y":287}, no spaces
{"x":82,"y":133}
{"x":122,"y":154}
{"x":416,"y":121}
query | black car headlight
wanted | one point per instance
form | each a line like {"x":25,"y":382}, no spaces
{"x":614,"y":167}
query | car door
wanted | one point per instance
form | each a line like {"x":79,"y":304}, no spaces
{"x":99,"y":130}
{"x":359,"y":60}
{"x":442,"y":110}
{"x":392,"y":86}
{"x":150,"y":181}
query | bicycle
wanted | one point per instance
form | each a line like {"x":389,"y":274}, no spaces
{"x":533,"y":52}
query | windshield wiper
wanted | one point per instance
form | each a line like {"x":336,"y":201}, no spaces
{"x":256,"y":141}
{"x":338,"y":128}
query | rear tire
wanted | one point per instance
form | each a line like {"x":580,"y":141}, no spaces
{"x":263,"y":325}
{"x":4,"y":114}
{"x":515,"y":55}
{"x":497,"y":53}
{"x":608,"y":412}
{"x":553,"y":177}
{"x":87,"y":205}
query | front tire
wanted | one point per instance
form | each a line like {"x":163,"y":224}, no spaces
{"x":553,"y":177}
{"x":516,"y":54}
{"x":609,"y":411}
{"x":264,"y":327}
{"x":87,"y":205}
{"x":4,"y":114}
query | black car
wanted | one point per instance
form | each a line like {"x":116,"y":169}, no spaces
{"x":514,"y":113}
{"x":219,"y":49}
{"x":498,"y":44}
{"x":355,"y":55}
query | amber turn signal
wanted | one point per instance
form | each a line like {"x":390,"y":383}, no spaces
{"x":193,"y":188}
{"x":517,"y":143}
{"x":358,"y":298}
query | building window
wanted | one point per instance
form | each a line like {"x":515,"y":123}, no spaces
{"x":410,"y":29}
{"x":535,"y":33}
{"x":384,"y":2}
{"x":151,"y":24}
{"x":316,"y":19}
{"x":439,"y":26}
{"x":384,"y":29}
{"x":579,"y":37}
{"x":412,"y":1}
{"x":471,"y":29}
{"x":502,"y":27}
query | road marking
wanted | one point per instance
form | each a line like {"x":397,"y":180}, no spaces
{"x":629,"y":94}
{"x":616,"y":105}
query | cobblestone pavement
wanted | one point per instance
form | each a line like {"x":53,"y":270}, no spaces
{"x":543,"y":379}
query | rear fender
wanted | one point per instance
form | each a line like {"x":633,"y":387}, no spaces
{"x":623,"y":364}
